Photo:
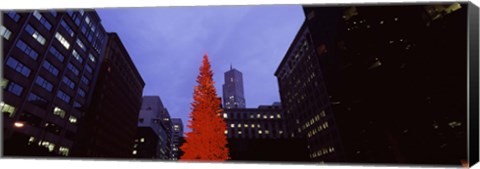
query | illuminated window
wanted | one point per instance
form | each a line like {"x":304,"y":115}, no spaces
{"x":239,"y":125}
{"x":77,"y":56}
{"x":142,"y":140}
{"x":265,"y":116}
{"x":72,"y":119}
{"x":226,"y":132}
{"x":62,"y":40}
{"x":8,"y":109}
{"x":63,"y":151}
{"x":81,"y":45}
{"x":278,"y":116}
{"x":258,"y":115}
{"x":253,"y":125}
{"x":280,"y":132}
{"x":259,"y":131}
{"x":267,"y":132}
{"x":239,"y":132}
{"x":35,"y":34}
{"x":59,"y":112}
{"x":225,"y":115}
{"x":134,"y":152}
{"x":92,"y":58}
{"x":245,"y":125}
{"x":4,"y":32}
{"x":232,"y":125}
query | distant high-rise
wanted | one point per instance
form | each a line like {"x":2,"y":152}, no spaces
{"x":233,"y":96}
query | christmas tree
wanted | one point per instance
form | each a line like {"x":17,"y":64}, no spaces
{"x":207,"y":140}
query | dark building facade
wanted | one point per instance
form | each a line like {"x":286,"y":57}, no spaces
{"x":305,"y":99}
{"x":109,"y":127}
{"x":50,"y":63}
{"x":392,"y":80}
{"x":233,"y":95}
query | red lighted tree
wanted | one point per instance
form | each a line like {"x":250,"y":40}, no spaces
{"x":207,"y":140}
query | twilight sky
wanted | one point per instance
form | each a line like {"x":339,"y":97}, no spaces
{"x":167,"y":45}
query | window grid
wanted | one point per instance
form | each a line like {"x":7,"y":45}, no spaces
{"x":62,"y":40}
{"x":4,"y":32}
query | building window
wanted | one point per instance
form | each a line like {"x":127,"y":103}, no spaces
{"x":67,"y":28}
{"x":88,"y":68}
{"x":92,"y":58}
{"x":8,"y":109}
{"x":17,"y":66}
{"x":4,"y":32}
{"x":57,"y":54}
{"x":52,"y":69}
{"x":63,"y":96}
{"x":225,"y":115}
{"x":4,"y":83}
{"x":44,"y":83}
{"x":13,"y":15}
{"x":63,"y":151}
{"x":77,"y":56}
{"x":81,"y":45}
{"x":42,"y":20}
{"x":81,"y":92}
{"x":62,"y":40}
{"x":68,"y":82}
{"x":72,"y":119}
{"x":73,"y":69}
{"x":142,"y":140}
{"x":35,"y":34}
{"x":85,"y":80}
{"x":15,"y":88}
{"x":37,"y":100}
{"x":59,"y":112}
{"x":27,"y":49}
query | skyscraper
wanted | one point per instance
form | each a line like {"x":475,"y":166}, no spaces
{"x":233,"y":96}
{"x":51,"y":60}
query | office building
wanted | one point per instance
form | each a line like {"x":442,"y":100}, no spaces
{"x":151,"y":140}
{"x":259,"y":134}
{"x":110,"y":124}
{"x":233,"y":96}
{"x":51,"y":60}
{"x":305,"y":100}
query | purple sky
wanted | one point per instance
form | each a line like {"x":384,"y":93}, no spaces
{"x":167,"y":44}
